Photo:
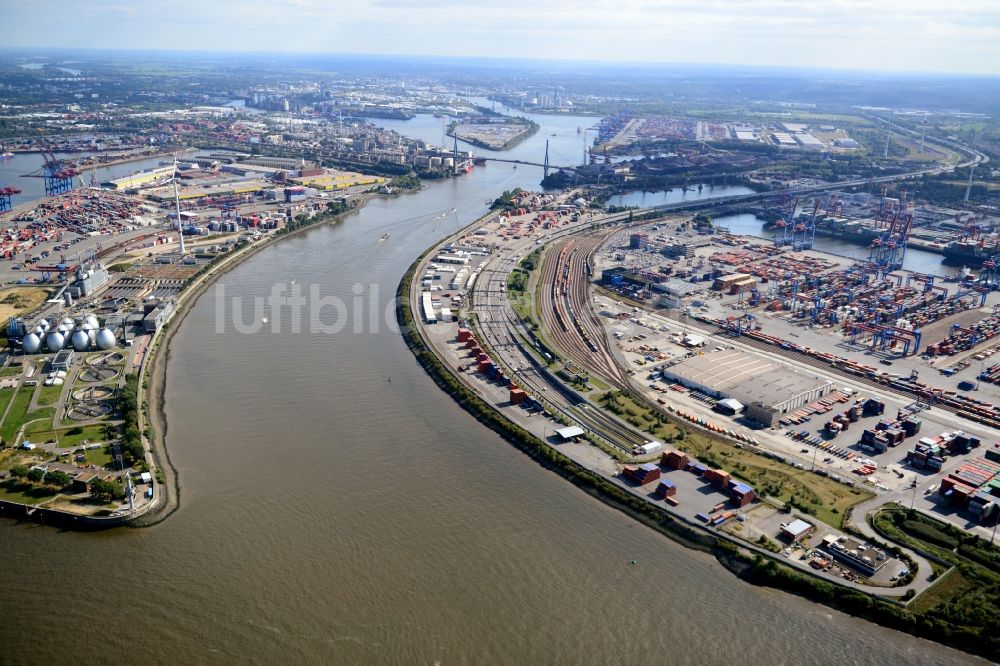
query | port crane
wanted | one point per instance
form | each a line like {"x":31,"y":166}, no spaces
{"x":804,"y":233}
{"x":889,"y":248}
{"x":57,"y":174}
{"x":784,"y":225}
{"x":5,"y":197}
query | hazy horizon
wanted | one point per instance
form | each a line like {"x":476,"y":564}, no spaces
{"x":891,"y":36}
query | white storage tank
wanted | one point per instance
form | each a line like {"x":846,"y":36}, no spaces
{"x":105,"y":339}
{"x":31,"y":343}
{"x":55,"y":341}
{"x":81,"y":341}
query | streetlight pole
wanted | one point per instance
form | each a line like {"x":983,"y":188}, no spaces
{"x":815,"y":451}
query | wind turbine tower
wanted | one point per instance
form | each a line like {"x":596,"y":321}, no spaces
{"x":177,"y":202}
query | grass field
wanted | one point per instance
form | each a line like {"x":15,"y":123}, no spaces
{"x":19,"y":415}
{"x":6,"y":395}
{"x":49,"y":395}
{"x":16,"y":300}
{"x":24,"y":493}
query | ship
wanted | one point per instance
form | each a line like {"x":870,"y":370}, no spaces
{"x":385,"y":236}
{"x":968,"y":253}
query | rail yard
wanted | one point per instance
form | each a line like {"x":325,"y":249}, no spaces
{"x":616,"y":339}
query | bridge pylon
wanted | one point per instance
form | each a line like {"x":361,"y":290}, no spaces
{"x":545,"y":166}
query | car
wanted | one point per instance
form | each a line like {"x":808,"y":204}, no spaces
{"x":885,"y":362}
{"x":804,"y":450}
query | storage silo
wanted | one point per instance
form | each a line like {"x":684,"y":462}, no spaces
{"x":55,"y":341}
{"x":81,"y":341}
{"x":31,"y":343}
{"x":105,"y":339}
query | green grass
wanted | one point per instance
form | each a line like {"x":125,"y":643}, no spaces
{"x":49,"y":395}
{"x":6,"y":395}
{"x":91,"y":433}
{"x":10,"y":372}
{"x":19,"y":416}
{"x":18,"y":410}
{"x":25,"y":493}
{"x":950,"y":585}
{"x":100,"y":457}
{"x":598,"y":384}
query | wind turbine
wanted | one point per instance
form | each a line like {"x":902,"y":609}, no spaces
{"x":177,"y":201}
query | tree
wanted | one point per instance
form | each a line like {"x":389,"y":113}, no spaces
{"x":107,"y":490}
{"x":132,"y":449}
{"x":36,"y":475}
{"x":57,"y":479}
{"x":18,"y":471}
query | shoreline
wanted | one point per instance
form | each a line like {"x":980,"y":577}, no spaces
{"x":151,"y":408}
{"x":751,"y":566}
{"x":152,"y":388}
{"x":529,"y":131}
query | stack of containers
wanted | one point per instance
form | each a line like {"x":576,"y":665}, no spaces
{"x":643,"y":474}
{"x":717,"y":477}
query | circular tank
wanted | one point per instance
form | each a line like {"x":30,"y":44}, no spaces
{"x":105,"y":339}
{"x":91,"y":321}
{"x":31,"y":343}
{"x":60,"y":374}
{"x":81,"y":341}
{"x":44,"y":323}
{"x":38,"y":330}
{"x":58,"y":381}
{"x":68,"y":322}
{"x":55,"y":341}
{"x":64,"y":329}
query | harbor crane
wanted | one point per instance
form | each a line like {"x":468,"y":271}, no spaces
{"x":57,"y":174}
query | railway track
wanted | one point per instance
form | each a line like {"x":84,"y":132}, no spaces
{"x":502,"y":331}
{"x":566,"y":313}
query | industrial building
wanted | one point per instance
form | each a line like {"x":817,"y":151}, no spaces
{"x":140,"y":178}
{"x":797,"y":530}
{"x":62,"y":360}
{"x":864,"y":558}
{"x":748,"y":378}
{"x":88,"y":280}
{"x":156,"y":315}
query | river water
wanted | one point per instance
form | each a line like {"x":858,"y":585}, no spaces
{"x":13,"y":173}
{"x":336,"y":507}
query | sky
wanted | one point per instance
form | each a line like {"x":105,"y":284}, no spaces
{"x":885,"y":35}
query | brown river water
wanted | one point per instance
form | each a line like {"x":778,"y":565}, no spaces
{"x":336,"y":507}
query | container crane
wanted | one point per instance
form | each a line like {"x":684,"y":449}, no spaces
{"x":57,"y":174}
{"x":889,"y":248}
{"x":804,"y":233}
{"x":5,"y":197}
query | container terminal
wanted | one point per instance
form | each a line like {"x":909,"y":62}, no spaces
{"x":856,"y":374}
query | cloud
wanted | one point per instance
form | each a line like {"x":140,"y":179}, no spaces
{"x":958,"y":35}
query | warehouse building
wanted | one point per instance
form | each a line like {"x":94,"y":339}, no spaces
{"x":674,"y":291}
{"x":748,"y":378}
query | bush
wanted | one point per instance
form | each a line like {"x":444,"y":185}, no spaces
{"x":928,"y":533}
